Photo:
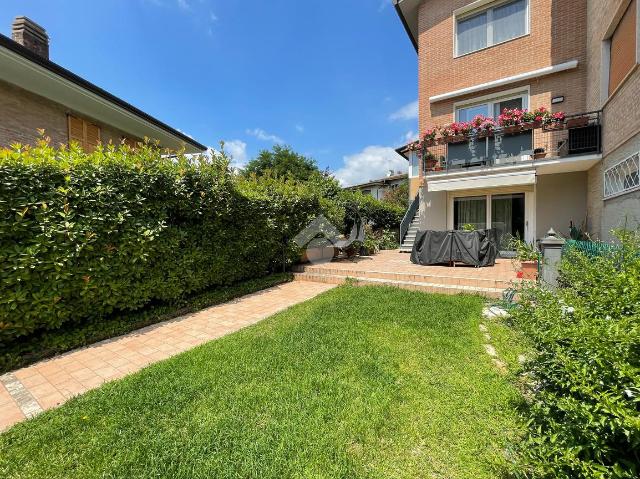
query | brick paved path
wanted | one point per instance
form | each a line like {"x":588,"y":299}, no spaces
{"x":27,"y":391}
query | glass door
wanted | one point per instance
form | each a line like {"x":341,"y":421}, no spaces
{"x":470,"y":213}
{"x":508,"y":217}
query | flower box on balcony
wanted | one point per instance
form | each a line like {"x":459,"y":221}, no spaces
{"x":577,"y":122}
{"x":531,"y":125}
{"x":511,"y":129}
{"x":553,"y":126}
{"x":455,"y":139}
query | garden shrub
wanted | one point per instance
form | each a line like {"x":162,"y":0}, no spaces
{"x":584,"y":413}
{"x":84,"y":236}
{"x":44,"y":344}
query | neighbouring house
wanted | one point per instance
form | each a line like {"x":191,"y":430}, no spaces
{"x":36,"y":93}
{"x":378,"y":188}
{"x":579,"y":57}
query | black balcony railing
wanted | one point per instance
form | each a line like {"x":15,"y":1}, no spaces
{"x":578,"y":134}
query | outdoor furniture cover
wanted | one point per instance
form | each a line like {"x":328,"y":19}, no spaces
{"x":476,"y":248}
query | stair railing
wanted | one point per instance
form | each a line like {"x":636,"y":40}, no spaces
{"x":408,"y":217}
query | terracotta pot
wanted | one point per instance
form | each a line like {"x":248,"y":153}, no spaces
{"x":529,"y":270}
{"x":578,"y":122}
{"x":539,"y":156}
{"x":508,"y":130}
{"x":531,"y":125}
{"x":554,"y":125}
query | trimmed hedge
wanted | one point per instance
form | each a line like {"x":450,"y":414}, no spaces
{"x":70,"y":336}
{"x":87,"y":236}
{"x":584,"y":413}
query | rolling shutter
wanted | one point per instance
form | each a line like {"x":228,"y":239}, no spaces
{"x":623,"y":48}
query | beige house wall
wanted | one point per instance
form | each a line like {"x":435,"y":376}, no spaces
{"x":560,"y":199}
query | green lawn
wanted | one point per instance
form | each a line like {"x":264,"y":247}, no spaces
{"x":358,"y":382}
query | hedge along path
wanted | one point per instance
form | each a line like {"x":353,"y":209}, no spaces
{"x":47,"y":384}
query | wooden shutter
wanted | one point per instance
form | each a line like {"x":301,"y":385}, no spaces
{"x":76,"y":130}
{"x":129,"y":142}
{"x":623,"y":48}
{"x":86,"y":134}
{"x":92,"y":137}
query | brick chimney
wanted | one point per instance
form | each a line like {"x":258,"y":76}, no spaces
{"x":29,"y":34}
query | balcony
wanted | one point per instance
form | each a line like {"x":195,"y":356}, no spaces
{"x":577,"y":135}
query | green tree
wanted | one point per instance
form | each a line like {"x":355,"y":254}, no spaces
{"x":398,"y":196}
{"x":282,"y":161}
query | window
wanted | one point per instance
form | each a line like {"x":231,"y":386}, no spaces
{"x":623,"y":177}
{"x":622,"y":48}
{"x":414,"y":164}
{"x":492,"y":107}
{"x":494,"y":25}
{"x":471,"y":210}
{"x":86,"y":134}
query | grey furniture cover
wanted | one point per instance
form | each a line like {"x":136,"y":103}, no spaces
{"x":476,"y":248}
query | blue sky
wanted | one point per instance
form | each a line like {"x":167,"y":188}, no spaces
{"x":336,"y":80}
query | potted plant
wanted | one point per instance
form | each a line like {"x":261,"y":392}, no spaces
{"x":528,"y":257}
{"x":510,"y":120}
{"x":483,"y":126}
{"x":539,"y":153}
{"x":555,"y":121}
{"x":446,"y":133}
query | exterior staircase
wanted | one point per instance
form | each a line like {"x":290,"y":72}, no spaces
{"x":409,"y":226}
{"x":410,"y":236}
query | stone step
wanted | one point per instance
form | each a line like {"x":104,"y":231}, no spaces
{"x":450,"y":279}
{"x":411,"y":285}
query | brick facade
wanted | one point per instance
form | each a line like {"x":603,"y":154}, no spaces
{"x":557,"y":35}
{"x":621,"y":123}
{"x":559,"y":31}
{"x":23,"y":113}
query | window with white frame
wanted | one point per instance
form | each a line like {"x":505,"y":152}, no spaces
{"x":499,"y":23}
{"x":414,"y":164}
{"x":492,"y":107}
{"x":622,"y":177}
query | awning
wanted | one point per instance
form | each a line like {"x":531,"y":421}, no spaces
{"x":484,"y":181}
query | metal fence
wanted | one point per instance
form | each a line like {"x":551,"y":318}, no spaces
{"x":589,"y":248}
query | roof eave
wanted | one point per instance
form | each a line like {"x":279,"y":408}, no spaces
{"x":405,"y":24}
{"x":9,"y":44}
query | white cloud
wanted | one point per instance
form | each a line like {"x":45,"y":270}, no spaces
{"x":237,"y":150}
{"x":184,"y":4}
{"x":300,"y":128}
{"x":409,"y":137}
{"x":371,"y":163}
{"x":407,"y":112}
{"x":260,"y":134}
{"x":213,"y":17}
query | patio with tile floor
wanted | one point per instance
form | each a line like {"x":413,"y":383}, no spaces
{"x":30,"y":390}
